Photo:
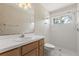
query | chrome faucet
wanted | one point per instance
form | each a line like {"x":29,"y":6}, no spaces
{"x":22,"y":36}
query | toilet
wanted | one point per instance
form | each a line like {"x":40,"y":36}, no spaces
{"x":48,"y":49}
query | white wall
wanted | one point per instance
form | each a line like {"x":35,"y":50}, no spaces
{"x":42,"y":28}
{"x":64,"y":35}
{"x":60,"y":35}
{"x":78,"y":28}
{"x":41,"y":23}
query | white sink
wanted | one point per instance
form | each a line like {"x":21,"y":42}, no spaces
{"x":23,"y":39}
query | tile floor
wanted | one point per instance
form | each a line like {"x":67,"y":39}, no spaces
{"x":59,"y":52}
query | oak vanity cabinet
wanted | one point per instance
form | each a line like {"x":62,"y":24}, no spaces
{"x":30,"y":49}
{"x":41,"y":47}
{"x":13,"y":52}
{"x":35,"y":48}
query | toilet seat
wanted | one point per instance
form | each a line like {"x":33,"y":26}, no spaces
{"x":48,"y":45}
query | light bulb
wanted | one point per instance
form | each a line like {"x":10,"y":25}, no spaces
{"x":29,"y":5}
{"x":25,"y":7}
{"x":20,"y":5}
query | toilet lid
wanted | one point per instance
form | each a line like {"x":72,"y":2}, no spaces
{"x":49,"y":45}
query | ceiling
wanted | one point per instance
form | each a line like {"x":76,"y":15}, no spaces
{"x":54,"y":6}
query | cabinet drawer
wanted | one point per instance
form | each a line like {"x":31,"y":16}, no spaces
{"x":14,"y":52}
{"x":32,"y":53}
{"x":41,"y":42}
{"x":29,"y":47}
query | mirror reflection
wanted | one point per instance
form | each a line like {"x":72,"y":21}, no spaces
{"x":16,"y":18}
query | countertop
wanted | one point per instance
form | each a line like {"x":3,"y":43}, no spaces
{"x":9,"y":42}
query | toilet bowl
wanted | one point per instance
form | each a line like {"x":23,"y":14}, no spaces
{"x":48,"y":48}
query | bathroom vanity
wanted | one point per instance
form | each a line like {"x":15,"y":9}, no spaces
{"x":34,"y":47}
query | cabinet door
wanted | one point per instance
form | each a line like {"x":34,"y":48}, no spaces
{"x":32,"y":53}
{"x":29,"y":47}
{"x":41,"y":51}
{"x":14,"y":52}
{"x":41,"y":47}
{"x":41,"y":42}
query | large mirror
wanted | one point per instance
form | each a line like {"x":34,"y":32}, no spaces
{"x":16,"y":18}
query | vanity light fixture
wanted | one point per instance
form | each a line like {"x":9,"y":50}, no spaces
{"x":24,"y":5}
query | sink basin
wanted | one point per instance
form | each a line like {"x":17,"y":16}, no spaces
{"x":23,"y":39}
